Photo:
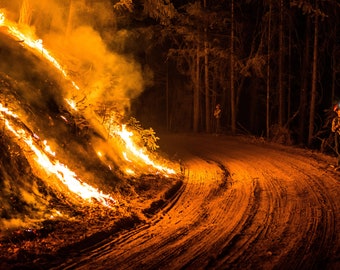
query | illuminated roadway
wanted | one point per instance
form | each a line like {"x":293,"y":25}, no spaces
{"x":242,"y":206}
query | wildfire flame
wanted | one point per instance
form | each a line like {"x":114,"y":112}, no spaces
{"x":119,"y":130}
{"x":52,"y":165}
{"x":7,"y":111}
{"x":2,"y":18}
{"x":34,"y":44}
{"x":71,"y":103}
{"x":139,"y":152}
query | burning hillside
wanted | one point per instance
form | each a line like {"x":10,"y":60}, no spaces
{"x":69,"y":168}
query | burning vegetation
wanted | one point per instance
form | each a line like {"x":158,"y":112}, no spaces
{"x":72,"y":168}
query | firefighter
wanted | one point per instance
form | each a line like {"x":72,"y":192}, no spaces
{"x":336,"y":130}
{"x":217,"y":115}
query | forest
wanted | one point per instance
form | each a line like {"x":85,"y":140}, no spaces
{"x":273,"y":66}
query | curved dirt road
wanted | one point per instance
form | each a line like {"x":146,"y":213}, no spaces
{"x":242,"y":206}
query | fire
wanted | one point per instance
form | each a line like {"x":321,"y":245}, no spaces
{"x":139,"y":152}
{"x":115,"y":129}
{"x":36,"y":45}
{"x":119,"y":130}
{"x":2,"y":18}
{"x":125,"y":156}
{"x":53,"y":166}
{"x":48,"y":149}
{"x":129,"y":171}
{"x":71,"y":103}
{"x":7,"y":111}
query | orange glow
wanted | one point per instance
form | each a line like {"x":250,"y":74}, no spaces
{"x":48,"y":149}
{"x":7,"y":111}
{"x":53,"y":166}
{"x":129,"y":171}
{"x":37,"y":45}
{"x":125,"y":156}
{"x":72,"y":104}
{"x":132,"y":151}
{"x":139,"y":152}
{"x":2,"y":18}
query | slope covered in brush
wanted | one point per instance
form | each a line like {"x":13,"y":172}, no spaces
{"x":37,"y":122}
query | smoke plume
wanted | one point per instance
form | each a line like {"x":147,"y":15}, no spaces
{"x":79,"y":33}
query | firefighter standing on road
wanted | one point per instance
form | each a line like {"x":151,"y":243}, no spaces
{"x":217,"y":115}
{"x":336,"y":130}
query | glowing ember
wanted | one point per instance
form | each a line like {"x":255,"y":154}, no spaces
{"x":65,"y":175}
{"x":129,"y":171}
{"x":64,"y":118}
{"x":57,"y":213}
{"x":72,"y":104}
{"x":125,"y":156}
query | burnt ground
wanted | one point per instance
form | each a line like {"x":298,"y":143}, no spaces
{"x":243,"y":204}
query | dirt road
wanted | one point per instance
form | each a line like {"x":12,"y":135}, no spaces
{"x":243,"y":206}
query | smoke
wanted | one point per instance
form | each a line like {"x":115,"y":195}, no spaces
{"x":101,"y":74}
{"x":79,"y":33}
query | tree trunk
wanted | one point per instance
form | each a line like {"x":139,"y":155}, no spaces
{"x":207,"y":92}
{"x":232,"y":86}
{"x":25,"y":16}
{"x":314,"y":79}
{"x":334,"y":65}
{"x":268,"y":72}
{"x":289,"y":86}
{"x":196,"y":97}
{"x":206,"y":79}
{"x":167,"y":97}
{"x":69,"y":24}
{"x":304,"y":84}
{"x":280,"y":75}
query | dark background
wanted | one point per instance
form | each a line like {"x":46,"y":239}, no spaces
{"x":169,"y":38}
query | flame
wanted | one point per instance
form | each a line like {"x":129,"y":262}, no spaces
{"x":36,"y":45}
{"x":139,"y":152}
{"x":7,"y":111}
{"x":48,"y":149}
{"x":126,"y":136}
{"x":125,"y":156}
{"x":72,"y":104}
{"x":53,"y":166}
{"x":2,"y":18}
{"x":129,"y":171}
{"x":121,"y":131}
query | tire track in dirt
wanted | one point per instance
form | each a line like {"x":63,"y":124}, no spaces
{"x":243,"y":206}
{"x":302,"y":238}
{"x":319,"y":233}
